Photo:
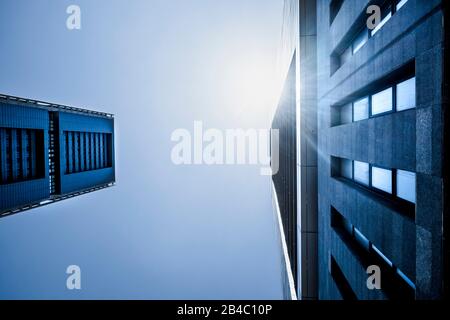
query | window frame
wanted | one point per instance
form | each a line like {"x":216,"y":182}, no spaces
{"x":393,"y":196}
{"x":393,"y":102}
{"x":389,"y":7}
{"x":394,"y":97}
{"x":395,"y":87}
{"x":386,"y":10}
{"x":415,"y":186}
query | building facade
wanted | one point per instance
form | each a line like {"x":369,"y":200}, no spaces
{"x":295,"y":184}
{"x":372,"y":181}
{"x":50,"y":152}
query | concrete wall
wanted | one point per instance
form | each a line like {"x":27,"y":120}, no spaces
{"x":409,"y":140}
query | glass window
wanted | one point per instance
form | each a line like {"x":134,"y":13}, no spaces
{"x":406,"y":185}
{"x":382,"y":179}
{"x":381,"y":24}
{"x":346,"y":114}
{"x":345,"y":56}
{"x":406,"y":94}
{"x":347,"y":168}
{"x":401,"y":4}
{"x":348,"y":227}
{"x":360,"y":40}
{"x":361,"y":109}
{"x":361,"y":172}
{"x":382,"y":102}
{"x":362,"y":240}
{"x":382,"y":256}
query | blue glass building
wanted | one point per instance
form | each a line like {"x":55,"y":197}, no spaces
{"x":51,"y":152}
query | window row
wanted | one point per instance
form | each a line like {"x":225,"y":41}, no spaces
{"x":361,"y":37}
{"x":335,"y":6}
{"x":21,"y":155}
{"x":399,"y":97}
{"x":85,"y":151}
{"x":397,"y":183}
{"x":395,"y":284}
{"x":341,"y":281}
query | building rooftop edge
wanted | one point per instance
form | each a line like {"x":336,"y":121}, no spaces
{"x":53,"y":106}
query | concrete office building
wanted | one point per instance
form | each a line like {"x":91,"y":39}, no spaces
{"x":50,"y":152}
{"x":371,"y":182}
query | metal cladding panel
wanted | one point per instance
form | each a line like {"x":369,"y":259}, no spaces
{"x":84,"y":123}
{"x":84,"y":180}
{"x":14,"y":115}
{"x":91,"y":127}
{"x":22,"y":193}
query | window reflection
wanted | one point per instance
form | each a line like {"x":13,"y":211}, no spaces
{"x":360,"y":40}
{"x":361,"y":172}
{"x":382,"y":179}
{"x":347,"y":168}
{"x":346,"y":114}
{"x":382,"y":102}
{"x":381,"y":24}
{"x":406,"y":185}
{"x":361,"y":109}
{"x":406,"y":94}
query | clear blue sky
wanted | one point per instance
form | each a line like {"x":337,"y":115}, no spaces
{"x":164,"y":231}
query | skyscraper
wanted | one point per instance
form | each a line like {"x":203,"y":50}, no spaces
{"x":367,"y":183}
{"x":51,"y":152}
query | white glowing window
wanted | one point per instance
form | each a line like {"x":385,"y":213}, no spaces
{"x":406,"y":94}
{"x":406,"y":185}
{"x":361,"y":109}
{"x":361,"y":172}
{"x":360,"y":40}
{"x":382,"y":179}
{"x":382,"y":102}
{"x":347,"y":168}
{"x":346,"y":114}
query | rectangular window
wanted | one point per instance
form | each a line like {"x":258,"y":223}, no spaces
{"x":368,"y":254}
{"x":344,"y":287}
{"x":362,"y":241}
{"x":401,"y":4}
{"x":335,"y":6}
{"x":406,"y":185}
{"x":382,"y":256}
{"x":21,"y":155}
{"x":361,"y":172}
{"x":387,"y":11}
{"x":87,"y":151}
{"x":401,"y":96}
{"x":360,"y":40}
{"x":361,"y":109}
{"x":382,"y":102}
{"x":345,"y":56}
{"x":397,"y":185}
{"x":346,"y":168}
{"x":346,"y":114}
{"x":382,"y":179}
{"x":406,"y":94}
{"x":386,"y":18}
